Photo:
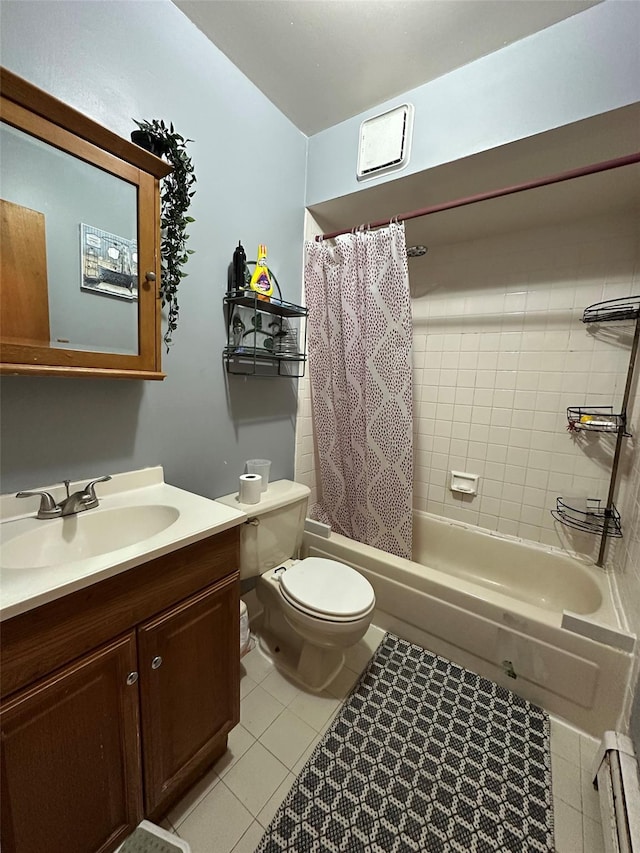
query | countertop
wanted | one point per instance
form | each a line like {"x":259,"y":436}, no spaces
{"x":22,"y":589}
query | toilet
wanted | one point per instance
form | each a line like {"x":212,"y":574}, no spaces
{"x":313,"y":609}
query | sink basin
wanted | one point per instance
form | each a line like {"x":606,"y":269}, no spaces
{"x":87,"y":534}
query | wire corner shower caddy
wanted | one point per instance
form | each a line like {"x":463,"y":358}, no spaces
{"x":590,"y":514}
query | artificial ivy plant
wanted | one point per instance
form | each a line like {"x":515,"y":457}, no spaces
{"x":175,"y":195}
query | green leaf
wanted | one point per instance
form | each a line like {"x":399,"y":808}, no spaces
{"x":175,"y":198}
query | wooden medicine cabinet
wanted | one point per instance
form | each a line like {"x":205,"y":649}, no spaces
{"x":80,"y":236}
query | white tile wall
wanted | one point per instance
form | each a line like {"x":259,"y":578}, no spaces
{"x":500,"y":351}
{"x":626,"y":554}
{"x":306,"y":463}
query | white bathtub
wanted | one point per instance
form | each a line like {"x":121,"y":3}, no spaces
{"x":503,"y":607}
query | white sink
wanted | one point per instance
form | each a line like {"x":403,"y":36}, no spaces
{"x":140,"y":518}
{"x":87,"y":534}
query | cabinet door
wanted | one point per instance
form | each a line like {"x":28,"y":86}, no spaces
{"x":71,"y":758}
{"x":190,"y":694}
{"x":47,"y":147}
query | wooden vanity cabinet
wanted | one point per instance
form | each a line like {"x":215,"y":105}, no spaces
{"x":126,"y":723}
{"x":71,"y":757}
{"x":188,"y":661}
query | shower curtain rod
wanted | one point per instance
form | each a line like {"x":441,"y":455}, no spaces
{"x":594,"y":168}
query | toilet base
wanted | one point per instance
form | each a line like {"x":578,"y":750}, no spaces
{"x":312,"y":667}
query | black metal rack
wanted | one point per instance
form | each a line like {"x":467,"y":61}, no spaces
{"x":613,"y":309}
{"x":595,"y":419}
{"x":588,"y":515}
{"x":265,"y":337}
{"x":591,"y":515}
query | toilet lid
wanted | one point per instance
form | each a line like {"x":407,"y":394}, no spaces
{"x":327,"y":587}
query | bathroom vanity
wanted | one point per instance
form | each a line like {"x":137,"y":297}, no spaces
{"x":118,"y":694}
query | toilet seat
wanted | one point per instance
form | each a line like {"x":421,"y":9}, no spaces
{"x":327,"y":589}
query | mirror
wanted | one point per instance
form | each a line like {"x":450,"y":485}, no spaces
{"x":84,"y":222}
{"x":79,"y":214}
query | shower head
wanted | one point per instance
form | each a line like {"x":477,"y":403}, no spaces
{"x":416,"y":251}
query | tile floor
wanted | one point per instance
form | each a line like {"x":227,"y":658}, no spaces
{"x":229,"y":809}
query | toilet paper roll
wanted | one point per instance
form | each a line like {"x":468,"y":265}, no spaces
{"x":250,"y":488}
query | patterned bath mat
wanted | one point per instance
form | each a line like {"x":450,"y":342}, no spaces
{"x":424,"y":756}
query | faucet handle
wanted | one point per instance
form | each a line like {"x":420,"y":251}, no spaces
{"x":90,"y":498}
{"x":48,"y":507}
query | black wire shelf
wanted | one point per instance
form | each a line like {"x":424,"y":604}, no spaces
{"x":261,"y":353}
{"x":250,"y":299}
{"x":250,"y":361}
{"x":588,"y":515}
{"x":627,"y":308}
{"x":265,"y":336}
{"x":595,"y":419}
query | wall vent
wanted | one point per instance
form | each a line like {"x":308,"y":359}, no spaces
{"x":385,"y":142}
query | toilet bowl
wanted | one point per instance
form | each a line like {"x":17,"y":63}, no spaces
{"x":305,"y":628}
{"x":327,"y":602}
{"x":313,"y":608}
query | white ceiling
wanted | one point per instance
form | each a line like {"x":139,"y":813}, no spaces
{"x":323,"y":61}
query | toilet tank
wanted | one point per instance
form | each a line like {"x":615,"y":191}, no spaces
{"x":274,"y":531}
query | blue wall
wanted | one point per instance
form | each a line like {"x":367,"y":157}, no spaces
{"x":121,"y":60}
{"x":581,"y":67}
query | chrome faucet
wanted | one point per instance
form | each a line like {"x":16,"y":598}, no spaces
{"x":74,"y":503}
{"x":48,"y":506}
{"x":81,"y":500}
{"x":71,"y":505}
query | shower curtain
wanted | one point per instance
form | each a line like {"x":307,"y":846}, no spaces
{"x":359,"y":336}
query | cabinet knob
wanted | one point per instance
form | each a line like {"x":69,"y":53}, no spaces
{"x":150,"y":276}
{"x":156,"y":662}
{"x":132,"y":678}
